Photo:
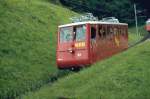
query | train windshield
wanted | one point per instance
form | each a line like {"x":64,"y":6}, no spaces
{"x":66,"y":34}
{"x":79,"y":32}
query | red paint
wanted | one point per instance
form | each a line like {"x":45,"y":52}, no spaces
{"x":68,"y":56}
{"x":147,"y":27}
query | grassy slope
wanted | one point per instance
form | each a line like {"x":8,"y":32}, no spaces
{"x":27,"y":44}
{"x":133,"y":37}
{"x":126,"y":78}
{"x":27,"y":31}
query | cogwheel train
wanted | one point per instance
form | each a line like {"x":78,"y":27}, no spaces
{"x":81,"y":44}
{"x":148,"y":25}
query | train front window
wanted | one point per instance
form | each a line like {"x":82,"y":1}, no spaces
{"x":66,"y":34}
{"x":80,"y":33}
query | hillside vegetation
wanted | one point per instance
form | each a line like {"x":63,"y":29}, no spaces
{"x":123,"y":10}
{"x":124,"y":76}
{"x":27,"y":47}
{"x":134,"y":37}
{"x":27,"y":44}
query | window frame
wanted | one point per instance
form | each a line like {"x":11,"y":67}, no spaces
{"x":75,"y":34}
{"x":60,"y":33}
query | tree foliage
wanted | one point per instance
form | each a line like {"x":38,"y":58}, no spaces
{"x":123,"y":10}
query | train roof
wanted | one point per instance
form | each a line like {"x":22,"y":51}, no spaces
{"x":91,"y":22}
{"x":148,"y":21}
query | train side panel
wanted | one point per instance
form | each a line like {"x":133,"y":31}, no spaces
{"x":112,"y":39}
{"x":147,"y":27}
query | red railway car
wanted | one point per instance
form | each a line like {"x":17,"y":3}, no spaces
{"x":84,"y":43}
{"x":148,"y":25}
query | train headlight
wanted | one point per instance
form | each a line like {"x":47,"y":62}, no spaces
{"x":76,"y":45}
{"x":79,"y":54}
{"x":59,"y":59}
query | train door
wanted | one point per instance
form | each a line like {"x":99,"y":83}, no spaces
{"x":93,"y":47}
{"x":65,"y":46}
{"x":65,"y":39}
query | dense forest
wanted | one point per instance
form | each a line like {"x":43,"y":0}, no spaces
{"x":123,"y":10}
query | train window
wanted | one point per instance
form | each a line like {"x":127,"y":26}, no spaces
{"x":108,"y":30}
{"x":115,"y":31}
{"x":66,"y":34}
{"x":119,"y":31}
{"x":80,"y":33}
{"x":122,"y":31}
{"x":100,"y":32}
{"x":104,"y":32}
{"x":93,"y":33}
{"x":111,"y":31}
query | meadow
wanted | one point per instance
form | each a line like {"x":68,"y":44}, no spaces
{"x":27,"y":53}
{"x":27,"y":44}
{"x":123,"y":76}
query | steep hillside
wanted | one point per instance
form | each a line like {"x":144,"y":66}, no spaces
{"x":27,"y":44}
{"x":124,"y":76}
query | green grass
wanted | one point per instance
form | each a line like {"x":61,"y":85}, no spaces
{"x":124,"y":76}
{"x":134,"y":37}
{"x":27,"y":44}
